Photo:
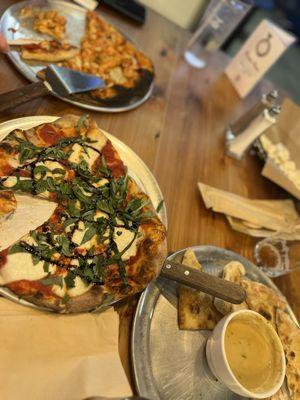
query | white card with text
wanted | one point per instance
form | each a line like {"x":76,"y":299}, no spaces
{"x":258,"y":54}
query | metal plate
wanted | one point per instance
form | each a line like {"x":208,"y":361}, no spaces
{"x":75,"y":16}
{"x":169,"y":364}
{"x":137,"y":169}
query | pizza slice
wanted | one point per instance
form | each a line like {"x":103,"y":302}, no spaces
{"x":51,"y":51}
{"x":104,"y":239}
{"x":50,"y":22}
{"x":289,"y":335}
{"x":195,"y":309}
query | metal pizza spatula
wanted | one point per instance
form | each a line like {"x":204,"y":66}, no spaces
{"x":203,"y":281}
{"x":59,"y":80}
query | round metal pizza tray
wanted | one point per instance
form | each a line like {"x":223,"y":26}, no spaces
{"x":75,"y":16}
{"x":170,"y":364}
{"x":137,"y":169}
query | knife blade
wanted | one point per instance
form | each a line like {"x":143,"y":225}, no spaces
{"x":203,"y":281}
{"x":59,"y":80}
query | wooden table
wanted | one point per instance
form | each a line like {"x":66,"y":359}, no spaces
{"x":179,"y":133}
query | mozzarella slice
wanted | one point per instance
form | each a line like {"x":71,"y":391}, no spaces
{"x":78,"y":154}
{"x":19,"y":266}
{"x":52,"y":165}
{"x":123,"y":237}
{"x":79,"y":288}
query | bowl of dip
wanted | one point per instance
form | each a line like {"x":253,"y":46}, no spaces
{"x":245,"y":353}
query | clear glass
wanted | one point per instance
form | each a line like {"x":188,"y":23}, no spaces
{"x":277,"y":257}
{"x":220,"y":20}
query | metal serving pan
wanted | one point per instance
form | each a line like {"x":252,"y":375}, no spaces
{"x":75,"y":16}
{"x":170,"y":364}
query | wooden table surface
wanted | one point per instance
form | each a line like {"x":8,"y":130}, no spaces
{"x":179,"y":133}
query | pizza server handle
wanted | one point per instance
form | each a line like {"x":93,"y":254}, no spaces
{"x":22,"y":95}
{"x":204,"y":282}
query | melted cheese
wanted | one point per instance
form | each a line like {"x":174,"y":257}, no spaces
{"x":78,"y":154}
{"x":10,"y":181}
{"x":60,"y":291}
{"x":123,"y":239}
{"x":100,"y":183}
{"x":19,"y":266}
{"x":50,"y":165}
{"x":79,"y":288}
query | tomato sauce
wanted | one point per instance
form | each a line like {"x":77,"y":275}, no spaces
{"x":3,"y":257}
{"x":113,"y":162}
{"x":24,"y":287}
{"x":49,"y":134}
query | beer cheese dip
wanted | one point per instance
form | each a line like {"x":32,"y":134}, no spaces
{"x":253,"y":352}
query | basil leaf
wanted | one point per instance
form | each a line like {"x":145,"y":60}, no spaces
{"x":17,"y":248}
{"x":53,"y":280}
{"x":72,"y":208}
{"x":65,"y":247}
{"x":65,"y":299}
{"x":70,"y":280}
{"x":80,"y":195}
{"x":35,"y":259}
{"x":41,"y":169}
{"x":159,"y":207}
{"x":46,"y":266}
{"x":83,"y":121}
{"x":68,"y":222}
{"x":90,"y":232}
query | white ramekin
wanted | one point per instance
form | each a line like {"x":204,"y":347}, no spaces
{"x":217,"y":361}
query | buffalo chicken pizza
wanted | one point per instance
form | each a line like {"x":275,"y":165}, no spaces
{"x":104,"y":240}
{"x":104,"y":52}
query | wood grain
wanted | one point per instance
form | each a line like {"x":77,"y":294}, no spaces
{"x":179,"y":133}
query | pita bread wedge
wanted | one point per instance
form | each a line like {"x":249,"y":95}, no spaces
{"x":289,"y":334}
{"x":234,"y":271}
{"x":263,"y":300}
{"x":195,"y":309}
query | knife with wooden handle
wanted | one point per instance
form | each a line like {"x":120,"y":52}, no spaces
{"x":204,"y":282}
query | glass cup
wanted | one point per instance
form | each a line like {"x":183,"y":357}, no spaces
{"x":219,"y":21}
{"x":277,"y":257}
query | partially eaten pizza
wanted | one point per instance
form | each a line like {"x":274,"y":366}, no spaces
{"x":104,"y":240}
{"x":104,"y":52}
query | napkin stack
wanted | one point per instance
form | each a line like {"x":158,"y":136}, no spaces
{"x":258,"y":218}
{"x":47,"y":356}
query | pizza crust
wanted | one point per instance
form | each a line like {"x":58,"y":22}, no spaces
{"x":49,"y":51}
{"x":290,"y":338}
{"x":195,"y":309}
